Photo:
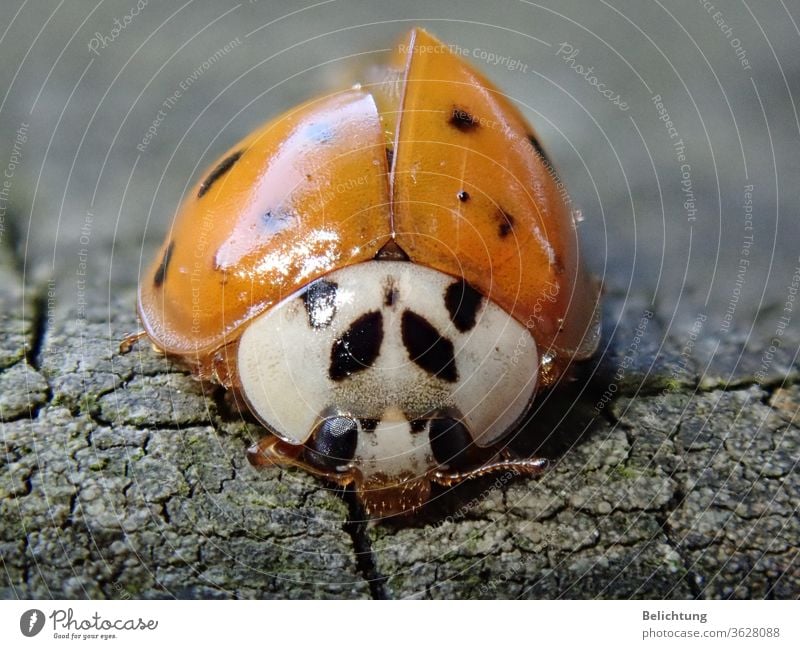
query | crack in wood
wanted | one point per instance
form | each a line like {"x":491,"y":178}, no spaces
{"x":366,"y":562}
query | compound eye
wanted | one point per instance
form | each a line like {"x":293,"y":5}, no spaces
{"x":450,"y":441}
{"x":333,"y":443}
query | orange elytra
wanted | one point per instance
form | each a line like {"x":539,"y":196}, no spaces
{"x":387,"y":274}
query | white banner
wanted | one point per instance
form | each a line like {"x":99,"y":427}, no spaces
{"x":412,"y":624}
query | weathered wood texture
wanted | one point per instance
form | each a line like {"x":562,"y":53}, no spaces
{"x":676,"y":449}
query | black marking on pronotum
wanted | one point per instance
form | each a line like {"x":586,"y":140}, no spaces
{"x":390,"y":297}
{"x":418,"y":425}
{"x":390,"y":292}
{"x":539,"y":150}
{"x":368,"y":425}
{"x":463,"y":120}
{"x":506,"y":223}
{"x":462,"y":302}
{"x":358,"y":347}
{"x":220,"y":170}
{"x":463,"y":196}
{"x":320,"y":302}
{"x":427,"y":348}
{"x":161,"y":271}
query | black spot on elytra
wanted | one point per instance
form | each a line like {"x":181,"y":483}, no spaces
{"x":320,"y":302}
{"x":539,"y":150}
{"x":506,"y":223}
{"x":427,"y":348}
{"x":333,"y":443}
{"x":161,"y":271}
{"x":463,"y":120}
{"x":220,"y":170}
{"x":368,"y":425}
{"x":389,"y":158}
{"x":462,"y":302}
{"x":358,"y":347}
{"x":463,"y":196}
{"x":450,"y":441}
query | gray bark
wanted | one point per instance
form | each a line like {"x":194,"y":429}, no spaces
{"x":122,"y":477}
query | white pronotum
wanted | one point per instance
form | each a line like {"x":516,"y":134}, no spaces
{"x":387,"y":343}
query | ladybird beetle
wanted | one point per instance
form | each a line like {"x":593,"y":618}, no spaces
{"x":387,"y":275}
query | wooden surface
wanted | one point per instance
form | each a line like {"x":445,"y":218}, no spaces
{"x":676,"y":449}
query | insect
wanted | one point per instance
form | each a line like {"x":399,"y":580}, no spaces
{"x":387,"y":275}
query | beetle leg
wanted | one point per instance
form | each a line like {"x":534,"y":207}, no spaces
{"x":271,"y":451}
{"x":223,"y":368}
{"x":527,"y":466}
{"x":130,"y":340}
